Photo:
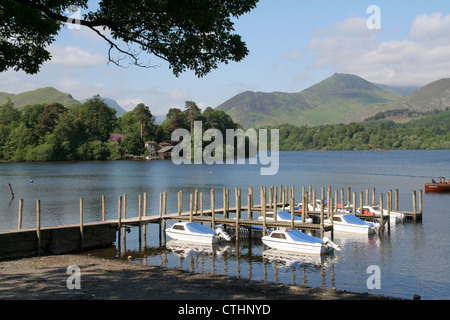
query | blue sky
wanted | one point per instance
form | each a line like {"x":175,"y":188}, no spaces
{"x":293,"y":45}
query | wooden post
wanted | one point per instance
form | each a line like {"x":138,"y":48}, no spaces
{"x":331,"y":213}
{"x":120,"y":211}
{"x":196,"y":202}
{"x":361,"y":197}
{"x":238,"y":210}
{"x":263,"y":208}
{"x":103,"y":208}
{"x":224,"y":200}
{"x":373,"y":196}
{"x":322,"y":216}
{"x":322,"y":193}
{"x":124,"y":206}
{"x":390,"y":199}
{"x":19,"y":224}
{"x":329,"y":197}
{"x":165,"y":203}
{"x":389,"y":208}
{"x":250,"y":203}
{"x":237,"y":192}
{"x":271,"y":197}
{"x":160,"y":204}
{"x":348,"y":197}
{"x":140,"y":209}
{"x":213,"y":214}
{"x":304,"y":205}
{"x":396,"y":199}
{"x":354,"y":203}
{"x":314,"y":200}
{"x":191,"y":207}
{"x":145,"y":204}
{"x":81,"y":224}
{"x":280,"y":192}
{"x":145,"y":214}
{"x":293,"y":192}
{"x":336,"y":197}
{"x":329,"y":207}
{"x":414,"y":205}
{"x":249,"y":211}
{"x":381,"y":211}
{"x":275,"y":200}
{"x":420,"y":201}
{"x":342,"y":198}
{"x":164,"y":213}
{"x":367,"y":196}
{"x":38,"y":226}
{"x":180,"y":202}
{"x":291,"y":204}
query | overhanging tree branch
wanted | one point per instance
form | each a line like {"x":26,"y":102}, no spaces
{"x":188,"y":34}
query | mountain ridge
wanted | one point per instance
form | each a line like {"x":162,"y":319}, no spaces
{"x":49,"y":95}
{"x":341,"y":98}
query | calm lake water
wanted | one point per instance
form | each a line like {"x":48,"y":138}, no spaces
{"x":413,"y":257}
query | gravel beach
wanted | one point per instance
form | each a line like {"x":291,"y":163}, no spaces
{"x":46,"y":278}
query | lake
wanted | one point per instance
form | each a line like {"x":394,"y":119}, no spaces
{"x":413,"y":258}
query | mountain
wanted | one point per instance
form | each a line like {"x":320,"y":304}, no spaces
{"x":404,"y":91}
{"x":435,"y":95}
{"x":51,"y":95}
{"x":341,"y":98}
{"x":40,"y":96}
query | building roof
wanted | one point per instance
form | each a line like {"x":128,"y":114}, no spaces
{"x":165,"y":149}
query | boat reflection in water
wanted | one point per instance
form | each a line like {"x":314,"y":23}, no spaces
{"x":185,"y":249}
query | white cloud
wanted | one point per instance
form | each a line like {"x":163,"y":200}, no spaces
{"x":75,"y":57}
{"x":129,"y":104}
{"x":293,"y":55}
{"x":350,"y":47}
{"x":431,"y":28}
{"x":176,"y":95}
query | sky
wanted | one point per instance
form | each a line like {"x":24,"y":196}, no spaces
{"x":293,"y":44}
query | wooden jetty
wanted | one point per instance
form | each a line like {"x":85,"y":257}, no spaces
{"x":92,"y":235}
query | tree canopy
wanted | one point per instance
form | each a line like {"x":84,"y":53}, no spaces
{"x":189,"y":34}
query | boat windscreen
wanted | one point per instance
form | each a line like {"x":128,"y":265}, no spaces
{"x":297,"y":235}
{"x":199,"y":228}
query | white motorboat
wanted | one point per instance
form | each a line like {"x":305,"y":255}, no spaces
{"x":374,"y":211}
{"x":284,"y":216}
{"x":197,"y":233}
{"x":351,"y":223}
{"x":297,"y":241}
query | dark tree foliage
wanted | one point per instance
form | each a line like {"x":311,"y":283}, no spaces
{"x":195,"y":35}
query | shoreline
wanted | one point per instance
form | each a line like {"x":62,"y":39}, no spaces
{"x":46,"y":278}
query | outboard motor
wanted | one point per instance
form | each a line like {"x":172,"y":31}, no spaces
{"x":328,"y":241}
{"x":223,"y":234}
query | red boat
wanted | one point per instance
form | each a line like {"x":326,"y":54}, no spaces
{"x":437,"y":187}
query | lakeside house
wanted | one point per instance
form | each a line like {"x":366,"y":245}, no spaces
{"x":152,"y":148}
{"x":160,"y":150}
{"x":166,"y":152}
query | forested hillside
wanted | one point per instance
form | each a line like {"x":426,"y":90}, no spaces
{"x":54,"y":132}
{"x":426,"y":132}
